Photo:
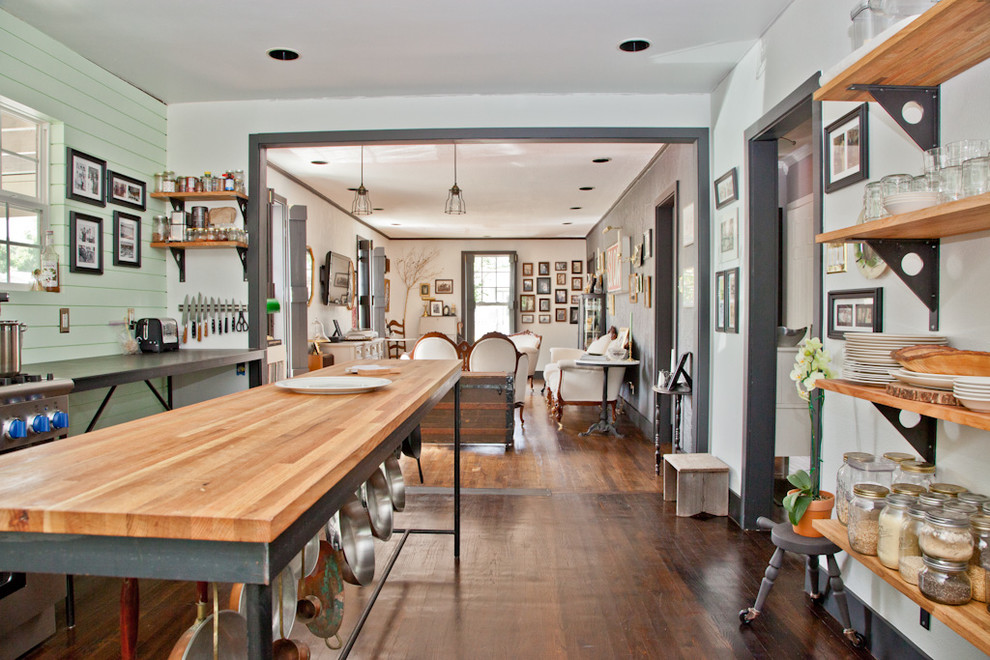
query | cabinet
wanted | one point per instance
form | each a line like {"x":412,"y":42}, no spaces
{"x":348,"y":351}
{"x":178,"y":248}
{"x":592,"y":319}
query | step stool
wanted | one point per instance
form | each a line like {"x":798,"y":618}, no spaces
{"x":699,"y":483}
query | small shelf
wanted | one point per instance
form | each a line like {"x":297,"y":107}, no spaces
{"x":179,"y":199}
{"x":963,"y":216}
{"x":970,"y":621}
{"x":946,"y":40}
{"x":178,"y":249}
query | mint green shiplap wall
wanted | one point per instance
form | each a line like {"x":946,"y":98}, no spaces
{"x":95,"y":112}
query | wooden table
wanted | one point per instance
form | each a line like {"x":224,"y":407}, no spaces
{"x":227,"y":490}
{"x":604,"y":424}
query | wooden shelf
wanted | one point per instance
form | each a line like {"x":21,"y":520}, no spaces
{"x":946,"y":40}
{"x":956,"y":414}
{"x":970,"y":621}
{"x":198,"y":245}
{"x":963,"y":216}
{"x":201,"y":196}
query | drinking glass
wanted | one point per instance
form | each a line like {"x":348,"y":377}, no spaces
{"x":873,"y":201}
{"x":926,"y":182}
{"x":893,"y":184}
{"x":950,"y":187}
{"x":975,"y":175}
{"x":931,"y":159}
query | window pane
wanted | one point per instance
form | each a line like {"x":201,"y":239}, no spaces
{"x":23,"y":261}
{"x":502,"y":295}
{"x":18,"y":174}
{"x":3,"y":223}
{"x":24,"y":226}
{"x":3,"y":263}
{"x":18,"y":135}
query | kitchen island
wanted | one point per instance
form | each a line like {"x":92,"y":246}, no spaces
{"x":227,"y":490}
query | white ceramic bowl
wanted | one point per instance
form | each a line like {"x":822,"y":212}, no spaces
{"x":974,"y":404}
{"x":909,"y":201}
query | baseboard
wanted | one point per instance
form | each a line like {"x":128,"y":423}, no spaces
{"x":644,"y":424}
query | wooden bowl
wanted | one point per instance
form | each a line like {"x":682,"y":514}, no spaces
{"x":944,"y":360}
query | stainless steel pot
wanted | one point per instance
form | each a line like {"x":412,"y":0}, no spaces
{"x":10,"y":347}
{"x":357,"y":544}
{"x":412,"y":446}
{"x":379,"y":503}
{"x":396,"y":483}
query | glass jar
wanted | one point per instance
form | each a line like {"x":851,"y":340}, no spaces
{"x":159,"y":182}
{"x":892,"y":519}
{"x":899,"y":456}
{"x":962,"y":507}
{"x":946,"y":535}
{"x":945,"y":581}
{"x":973,"y":498}
{"x":908,"y":551}
{"x":239,"y":181}
{"x":980,"y":561}
{"x":952,"y":490}
{"x":864,"y":517}
{"x":159,"y":228}
{"x":935,"y":500}
{"x":915,"y":472}
{"x":869,"y":470}
{"x":168,"y":181}
{"x":843,"y":488}
{"x":912,"y":490}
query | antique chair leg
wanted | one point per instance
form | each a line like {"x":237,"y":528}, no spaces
{"x":521,"y":421}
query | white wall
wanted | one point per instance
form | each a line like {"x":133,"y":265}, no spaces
{"x":810,"y":36}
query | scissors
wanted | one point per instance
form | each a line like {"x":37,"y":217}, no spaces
{"x":241,"y":324}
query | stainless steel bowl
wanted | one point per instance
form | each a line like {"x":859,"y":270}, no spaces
{"x":396,"y":483}
{"x":378,"y":500}
{"x":357,"y":544}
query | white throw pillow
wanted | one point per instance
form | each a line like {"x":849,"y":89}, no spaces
{"x":598,"y":346}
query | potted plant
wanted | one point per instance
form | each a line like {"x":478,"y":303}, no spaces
{"x":807,"y":501}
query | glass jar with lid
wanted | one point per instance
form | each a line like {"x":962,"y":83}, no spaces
{"x":159,"y":229}
{"x":912,"y":490}
{"x":899,"y":456}
{"x":892,"y":519}
{"x":864,"y":517}
{"x":945,"y":581}
{"x":168,"y":181}
{"x":952,"y":490}
{"x":980,"y":561}
{"x":915,"y":472}
{"x":909,"y":552}
{"x":843,"y":488}
{"x":963,"y":507}
{"x":946,"y":535}
{"x":973,"y":498}
{"x":935,"y":500}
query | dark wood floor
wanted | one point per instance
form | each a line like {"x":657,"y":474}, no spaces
{"x":568,"y":551}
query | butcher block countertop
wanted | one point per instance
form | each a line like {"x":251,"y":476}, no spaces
{"x":241,"y":467}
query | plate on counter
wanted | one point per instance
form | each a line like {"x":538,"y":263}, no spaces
{"x":333,"y":384}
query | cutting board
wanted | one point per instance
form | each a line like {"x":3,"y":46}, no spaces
{"x":925,"y":395}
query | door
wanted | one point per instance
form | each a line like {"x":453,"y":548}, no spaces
{"x":287,"y":279}
{"x":489,"y":293}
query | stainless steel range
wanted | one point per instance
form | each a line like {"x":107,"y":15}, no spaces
{"x":33,"y":410}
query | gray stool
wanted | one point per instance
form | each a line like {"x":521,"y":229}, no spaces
{"x":783,"y":536}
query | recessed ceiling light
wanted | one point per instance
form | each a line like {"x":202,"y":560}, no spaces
{"x":634,"y":45}
{"x":395,"y":224}
{"x":600,"y":160}
{"x":586,"y":188}
{"x":567,"y":223}
{"x":283,"y":54}
{"x":318,"y":162}
{"x":576,"y":208}
{"x":377,"y":208}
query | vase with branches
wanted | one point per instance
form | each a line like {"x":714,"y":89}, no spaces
{"x":412,"y":267}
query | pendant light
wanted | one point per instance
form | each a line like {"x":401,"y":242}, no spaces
{"x":362,"y":201}
{"x":455,"y":200}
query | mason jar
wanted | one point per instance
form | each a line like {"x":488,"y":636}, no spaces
{"x":864,"y":517}
{"x":976,"y":499}
{"x":899,"y":456}
{"x":980,"y":561}
{"x":945,"y":581}
{"x":952,"y":490}
{"x":912,"y":490}
{"x":908,"y":551}
{"x":946,"y":535}
{"x":892,"y":518}
{"x":915,"y":472}
{"x":843,"y":487}
{"x":933,"y":499}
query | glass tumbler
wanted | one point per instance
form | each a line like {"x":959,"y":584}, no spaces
{"x":873,"y":201}
{"x":932,"y":160}
{"x":950,"y":183}
{"x":926,"y":182}
{"x":975,"y":175}
{"x":893,"y":184}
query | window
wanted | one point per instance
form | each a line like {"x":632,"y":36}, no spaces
{"x":491,"y":307}
{"x":23,"y":162}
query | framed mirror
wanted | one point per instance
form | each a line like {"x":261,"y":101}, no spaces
{"x":310,"y":275}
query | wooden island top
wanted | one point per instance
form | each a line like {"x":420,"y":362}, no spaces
{"x":239,"y":468}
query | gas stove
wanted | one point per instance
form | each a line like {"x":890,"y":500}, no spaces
{"x":33,"y":409}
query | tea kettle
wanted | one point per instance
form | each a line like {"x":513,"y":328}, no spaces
{"x":10,"y":344}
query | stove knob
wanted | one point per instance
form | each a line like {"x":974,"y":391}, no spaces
{"x":59,"y":419}
{"x":14,"y":429}
{"x":39,"y":424}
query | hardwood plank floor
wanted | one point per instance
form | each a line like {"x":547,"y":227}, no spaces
{"x":568,"y":551}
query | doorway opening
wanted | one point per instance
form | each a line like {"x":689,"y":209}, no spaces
{"x":665,"y":317}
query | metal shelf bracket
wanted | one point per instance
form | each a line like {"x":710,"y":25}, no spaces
{"x":921,"y":436}
{"x":242,"y":253}
{"x":923,"y":284}
{"x":180,"y":261}
{"x":895,"y":99}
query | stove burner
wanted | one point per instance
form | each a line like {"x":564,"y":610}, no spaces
{"x":22,"y":378}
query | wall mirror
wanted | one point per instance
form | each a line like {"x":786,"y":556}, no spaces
{"x":310,"y":275}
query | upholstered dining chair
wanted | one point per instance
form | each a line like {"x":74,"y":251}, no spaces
{"x":496,"y":352}
{"x":434,"y":346}
{"x":528,"y":343}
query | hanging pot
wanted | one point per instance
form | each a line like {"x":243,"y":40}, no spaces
{"x":379,"y":504}
{"x":412,"y":446}
{"x":357,"y":544}
{"x":290,"y":649}
{"x":396,"y":483}
{"x":326,"y":585}
{"x":310,"y":553}
{"x":283,"y":610}
{"x":197,"y":642}
{"x":11,"y":333}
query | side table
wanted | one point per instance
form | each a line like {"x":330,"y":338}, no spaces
{"x":604,"y":424}
{"x":676,"y":394}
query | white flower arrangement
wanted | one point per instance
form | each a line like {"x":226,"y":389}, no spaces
{"x":811,"y":364}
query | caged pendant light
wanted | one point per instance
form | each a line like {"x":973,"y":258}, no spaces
{"x":455,"y":199}
{"x":362,"y":201}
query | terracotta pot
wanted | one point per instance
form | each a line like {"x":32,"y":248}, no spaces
{"x":817,"y":510}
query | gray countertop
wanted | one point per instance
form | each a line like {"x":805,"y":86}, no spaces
{"x":104,"y":371}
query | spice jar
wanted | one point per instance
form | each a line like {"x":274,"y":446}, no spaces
{"x":891,"y":521}
{"x":945,"y":581}
{"x":909,"y":552}
{"x":980,"y":561}
{"x":864,"y":517}
{"x":976,"y":499}
{"x":915,"y":472}
{"x":159,"y":182}
{"x":946,"y":535}
{"x":843,"y":487}
{"x":159,"y":229}
{"x":952,"y":490}
{"x":168,"y":182}
{"x":933,"y":499}
{"x":913,"y":490}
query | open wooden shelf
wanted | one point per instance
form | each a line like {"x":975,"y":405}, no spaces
{"x":957,"y":414}
{"x":196,"y":245}
{"x":963,"y":216}
{"x":201,"y":196}
{"x":970,"y":621}
{"x":946,"y":40}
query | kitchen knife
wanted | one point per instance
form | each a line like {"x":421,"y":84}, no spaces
{"x":185,"y":319}
{"x":199,"y":317}
{"x":226,"y":317}
{"x":213,"y":315}
{"x":192,"y":315}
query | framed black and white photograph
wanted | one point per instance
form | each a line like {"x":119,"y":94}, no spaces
{"x":527,"y":318}
{"x":855,"y":310}
{"x":527,"y":303}
{"x":573,"y":315}
{"x":126,"y":191}
{"x":720,"y":306}
{"x":85,"y":243}
{"x":86,"y":177}
{"x":847,"y":150}
{"x":575,"y":298}
{"x":544,"y":318}
{"x":560,"y":314}
{"x":126,"y":239}
{"x":544,"y":268}
{"x":560,"y":296}
{"x":544,"y":304}
{"x":436,"y":308}
{"x":728,"y":236}
{"x":528,"y":285}
{"x":561,"y":279}
{"x":543,"y":285}
{"x":560,"y":266}
{"x":732,"y":300}
{"x":527,"y":269}
{"x":726,"y":189}
{"x":443,"y":286}
{"x":577,"y":267}
{"x":577,"y":284}
{"x":424,"y":291}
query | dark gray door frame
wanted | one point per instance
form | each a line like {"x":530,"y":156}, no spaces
{"x":760,"y":363}
{"x":665,"y":303}
{"x":259,"y":143}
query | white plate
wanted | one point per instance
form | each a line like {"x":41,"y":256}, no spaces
{"x":333,"y":384}
{"x":978,"y":381}
{"x":869,"y":380}
{"x":973,"y":404}
{"x":934,"y":381}
{"x":976,"y":394}
{"x":365,"y":367}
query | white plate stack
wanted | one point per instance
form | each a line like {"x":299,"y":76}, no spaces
{"x":973,"y":392}
{"x":868,"y":358}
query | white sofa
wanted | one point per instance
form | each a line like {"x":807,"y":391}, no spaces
{"x":528,"y":343}
{"x":570,"y":384}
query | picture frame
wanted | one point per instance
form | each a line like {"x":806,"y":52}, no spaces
{"x":577,"y":267}
{"x":726,"y":189}
{"x":527,"y":318}
{"x":577,"y":284}
{"x":341,"y":280}
{"x":424,"y":291}
{"x":544,"y":304}
{"x":720,"y":305}
{"x":527,"y":269}
{"x":610,"y":304}
{"x":124,"y":190}
{"x":86,"y":178}
{"x":648,"y":244}
{"x":613,"y":268}
{"x":441,"y":287}
{"x":561,"y":279}
{"x":527,"y":285}
{"x":560,"y":315}
{"x":855,"y":310}
{"x":573,"y":315}
{"x":847,"y":150}
{"x":544,"y":318}
{"x":544,"y":268}
{"x":527,"y":303}
{"x":633,"y":291}
{"x":575,"y":298}
{"x":680,"y":374}
{"x":835,"y":258}
{"x":85,"y":243}
{"x":648,"y":292}
{"x":728,"y":232}
{"x":732,"y":300}
{"x":543,"y":286}
{"x":560,"y":266}
{"x":126,"y":239}
{"x":560,"y":296}
{"x":388,"y":294}
{"x":436,"y":308}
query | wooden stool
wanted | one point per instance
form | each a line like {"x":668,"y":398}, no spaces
{"x":699,"y":483}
